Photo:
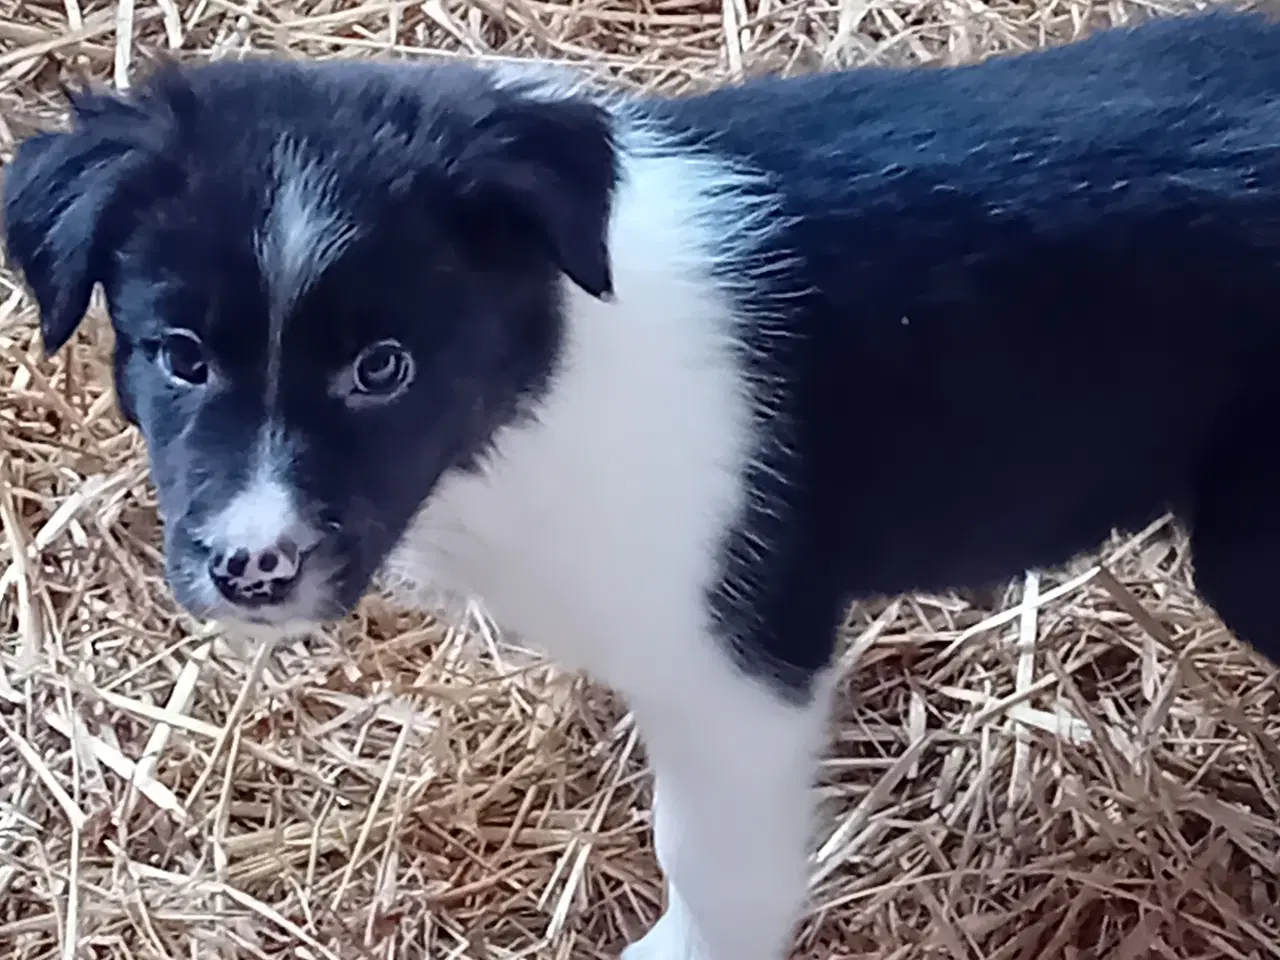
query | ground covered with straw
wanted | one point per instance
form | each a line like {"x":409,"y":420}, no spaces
{"x":1082,"y":765}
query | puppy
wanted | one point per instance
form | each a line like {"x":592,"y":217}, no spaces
{"x":668,"y":382}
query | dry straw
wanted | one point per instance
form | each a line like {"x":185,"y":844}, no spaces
{"x":1081,"y":765}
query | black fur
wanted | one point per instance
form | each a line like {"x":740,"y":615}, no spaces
{"x":1036,"y":300}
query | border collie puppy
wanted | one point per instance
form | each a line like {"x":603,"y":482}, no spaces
{"x":668,"y":382}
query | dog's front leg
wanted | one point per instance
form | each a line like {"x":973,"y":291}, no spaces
{"x":733,"y":765}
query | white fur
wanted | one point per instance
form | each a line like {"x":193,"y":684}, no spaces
{"x":259,"y":518}
{"x":265,"y":511}
{"x":595,"y":532}
{"x":304,"y":232}
{"x":256,"y":518}
{"x":732,"y":815}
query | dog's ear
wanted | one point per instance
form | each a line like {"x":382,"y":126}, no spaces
{"x":62,"y":209}
{"x":552,"y":162}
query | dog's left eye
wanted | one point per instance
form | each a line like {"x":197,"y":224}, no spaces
{"x":182,"y":357}
{"x":382,"y":369}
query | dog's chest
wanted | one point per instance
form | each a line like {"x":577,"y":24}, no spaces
{"x":600,"y":559}
{"x":590,"y":584}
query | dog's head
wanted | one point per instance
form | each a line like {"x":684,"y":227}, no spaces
{"x":330,"y":286}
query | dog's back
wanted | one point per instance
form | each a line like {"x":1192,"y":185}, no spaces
{"x":1032,"y":297}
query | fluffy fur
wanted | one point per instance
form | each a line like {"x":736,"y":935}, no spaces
{"x":669,"y":381}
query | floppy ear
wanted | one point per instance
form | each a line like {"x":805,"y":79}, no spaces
{"x":59,"y":220}
{"x":552,"y":162}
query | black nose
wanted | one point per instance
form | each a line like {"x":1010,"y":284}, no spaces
{"x":257,"y":578}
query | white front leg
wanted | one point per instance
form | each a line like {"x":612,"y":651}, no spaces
{"x":733,"y":811}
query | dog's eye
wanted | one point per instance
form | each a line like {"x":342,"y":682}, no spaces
{"x":382,"y":369}
{"x":182,"y":357}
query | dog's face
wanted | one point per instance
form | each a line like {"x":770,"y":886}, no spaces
{"x":330,"y":286}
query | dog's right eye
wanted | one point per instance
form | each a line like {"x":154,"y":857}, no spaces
{"x":182,"y":357}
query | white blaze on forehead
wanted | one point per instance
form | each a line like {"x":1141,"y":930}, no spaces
{"x":304,"y":231}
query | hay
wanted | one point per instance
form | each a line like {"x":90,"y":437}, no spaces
{"x":1083,"y":765}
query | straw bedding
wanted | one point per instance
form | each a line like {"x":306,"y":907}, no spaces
{"x":1082,"y":765}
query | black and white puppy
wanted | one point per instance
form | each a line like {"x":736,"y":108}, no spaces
{"x":667,"y":382}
